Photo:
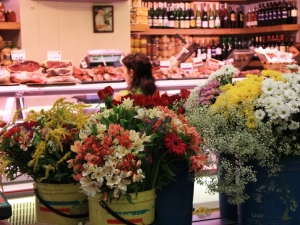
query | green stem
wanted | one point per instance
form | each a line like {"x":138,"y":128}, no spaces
{"x":157,"y":168}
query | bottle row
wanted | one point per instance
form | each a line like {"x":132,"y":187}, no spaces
{"x":217,"y":15}
{"x":273,"y":13}
{"x":163,"y":47}
{"x":8,"y":15}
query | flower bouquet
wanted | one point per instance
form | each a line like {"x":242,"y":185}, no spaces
{"x":254,"y":123}
{"x":39,"y":147}
{"x":130,"y":146}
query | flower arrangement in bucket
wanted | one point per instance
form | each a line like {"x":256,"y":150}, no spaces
{"x":129,"y":146}
{"x":39,"y":147}
{"x":255,"y":124}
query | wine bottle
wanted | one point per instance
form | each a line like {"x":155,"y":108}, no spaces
{"x":198,"y":17}
{"x":218,"y":51}
{"x":155,"y":16}
{"x":171,"y":20}
{"x":259,"y":15}
{"x":208,"y":50}
{"x":211,"y":21}
{"x":289,"y":12}
{"x":274,"y":10}
{"x":176,"y":17}
{"x":262,"y":15}
{"x":267,"y":15}
{"x":181,"y":16}
{"x":240,"y":21}
{"x":254,"y":17}
{"x":277,"y":43}
{"x":294,"y":13}
{"x":232,"y":17}
{"x":204,"y":17}
{"x":217,"y":17}
{"x":224,"y":48}
{"x":192,"y":16}
{"x":279,"y":21}
{"x":213,"y":50}
{"x":270,"y":10}
{"x":226,"y":17}
{"x":284,"y":13}
{"x":198,"y":53}
{"x":160,"y":15}
{"x":150,"y":14}
{"x":249,"y":18}
{"x":165,"y":16}
{"x":282,"y":45}
{"x":203,"y":51}
{"x":187,"y":16}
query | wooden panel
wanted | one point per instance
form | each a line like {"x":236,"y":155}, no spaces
{"x":10,"y":26}
{"x":237,"y":31}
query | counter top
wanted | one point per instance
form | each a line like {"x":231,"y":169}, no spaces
{"x":23,"y":90}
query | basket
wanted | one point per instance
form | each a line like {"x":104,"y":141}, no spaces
{"x":280,"y":66}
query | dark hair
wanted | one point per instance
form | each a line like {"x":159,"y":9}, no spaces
{"x":142,"y":73}
{"x":296,"y":45}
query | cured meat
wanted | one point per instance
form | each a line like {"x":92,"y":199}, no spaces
{"x":60,"y":71}
{"x":56,"y":63}
{"x":25,"y":77}
{"x":61,"y":79}
{"x":4,"y":76}
{"x":27,"y":66}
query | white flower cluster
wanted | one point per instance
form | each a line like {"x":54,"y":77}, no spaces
{"x":279,"y":101}
{"x":226,"y":72}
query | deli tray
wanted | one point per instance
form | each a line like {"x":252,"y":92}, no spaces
{"x":10,"y":84}
{"x":50,"y":84}
{"x":101,"y":81}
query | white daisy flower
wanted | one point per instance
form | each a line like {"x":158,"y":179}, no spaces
{"x":294,"y":125}
{"x":283,"y":112}
{"x":259,"y":114}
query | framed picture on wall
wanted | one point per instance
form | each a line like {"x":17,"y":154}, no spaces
{"x":103,"y":18}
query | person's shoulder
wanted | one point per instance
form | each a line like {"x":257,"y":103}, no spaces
{"x":120,"y":94}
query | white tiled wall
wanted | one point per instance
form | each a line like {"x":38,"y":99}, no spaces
{"x":68,"y":27}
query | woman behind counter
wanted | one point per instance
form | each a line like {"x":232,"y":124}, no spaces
{"x":138,"y":76}
{"x":295,"y":50}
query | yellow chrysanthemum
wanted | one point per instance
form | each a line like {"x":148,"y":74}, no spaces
{"x":275,"y":75}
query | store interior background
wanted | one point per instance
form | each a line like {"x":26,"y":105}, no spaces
{"x":68,"y":26}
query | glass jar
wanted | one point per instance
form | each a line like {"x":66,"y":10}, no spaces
{"x":6,"y":56}
{"x":11,"y":16}
{"x":2,"y":16}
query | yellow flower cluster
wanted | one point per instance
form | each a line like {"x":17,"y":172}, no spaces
{"x":241,"y":96}
{"x":275,"y":75}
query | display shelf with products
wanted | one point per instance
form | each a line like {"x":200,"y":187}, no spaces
{"x":223,"y":31}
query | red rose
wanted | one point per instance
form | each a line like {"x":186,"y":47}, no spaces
{"x":184,"y":93}
{"x":115,"y":102}
{"x":180,"y":110}
{"x":101,"y":94}
{"x":148,"y":101}
{"x":109,"y":90}
{"x":139,"y":100}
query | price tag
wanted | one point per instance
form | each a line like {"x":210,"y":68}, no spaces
{"x":54,"y":55}
{"x":165,"y":65}
{"x":186,"y":66}
{"x":213,"y":63}
{"x":18,"y":54}
{"x":197,"y":62}
{"x":83,"y":63}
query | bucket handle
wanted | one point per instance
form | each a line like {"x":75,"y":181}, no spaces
{"x":105,"y":206}
{"x":56,"y":211}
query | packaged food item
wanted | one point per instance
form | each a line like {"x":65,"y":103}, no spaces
{"x":6,"y":56}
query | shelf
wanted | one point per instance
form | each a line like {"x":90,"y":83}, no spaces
{"x":139,"y":28}
{"x":10,"y":26}
{"x":227,"y":31}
